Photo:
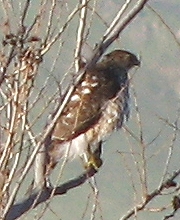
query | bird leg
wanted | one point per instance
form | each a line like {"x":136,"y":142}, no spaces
{"x":94,"y":160}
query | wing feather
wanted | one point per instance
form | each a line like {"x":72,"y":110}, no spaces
{"x":85,"y":106}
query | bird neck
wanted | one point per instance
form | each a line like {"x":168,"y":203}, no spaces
{"x":120,"y":73}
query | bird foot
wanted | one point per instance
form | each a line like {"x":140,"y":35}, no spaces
{"x":94,"y":162}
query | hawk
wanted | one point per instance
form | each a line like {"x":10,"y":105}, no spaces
{"x":97,"y":107}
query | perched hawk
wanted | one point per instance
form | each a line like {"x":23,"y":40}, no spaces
{"x":97,"y":106}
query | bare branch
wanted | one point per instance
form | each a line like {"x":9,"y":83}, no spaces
{"x":39,"y":197}
{"x":80,"y":34}
{"x":157,"y":192}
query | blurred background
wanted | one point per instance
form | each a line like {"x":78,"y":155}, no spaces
{"x":146,"y":151}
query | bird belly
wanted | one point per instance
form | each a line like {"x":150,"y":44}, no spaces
{"x":69,"y":149}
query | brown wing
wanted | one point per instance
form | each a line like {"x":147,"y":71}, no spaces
{"x":84,"y":108}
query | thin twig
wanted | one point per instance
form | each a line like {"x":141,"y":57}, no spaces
{"x":169,"y":157}
{"x":80,"y":34}
{"x":150,"y":197}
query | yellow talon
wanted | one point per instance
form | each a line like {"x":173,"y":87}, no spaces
{"x":94,"y":160}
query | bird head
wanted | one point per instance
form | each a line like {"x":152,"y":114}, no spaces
{"x":122,"y":59}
